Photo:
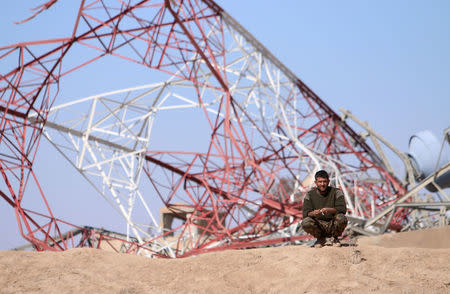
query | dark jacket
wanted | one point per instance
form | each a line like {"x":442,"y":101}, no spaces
{"x":334,"y":198}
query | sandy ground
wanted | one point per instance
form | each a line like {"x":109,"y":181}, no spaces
{"x":412,"y":262}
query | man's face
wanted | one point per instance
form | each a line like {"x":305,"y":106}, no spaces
{"x":322,"y":184}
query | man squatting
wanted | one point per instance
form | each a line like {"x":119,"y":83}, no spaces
{"x":324,"y":211}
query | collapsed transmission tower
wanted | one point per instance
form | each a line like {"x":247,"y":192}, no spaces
{"x":260,"y":134}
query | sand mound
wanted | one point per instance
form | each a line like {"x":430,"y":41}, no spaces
{"x":431,"y":238}
{"x":413,"y":262}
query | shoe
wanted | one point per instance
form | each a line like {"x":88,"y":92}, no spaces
{"x":336,"y":242}
{"x":320,"y":242}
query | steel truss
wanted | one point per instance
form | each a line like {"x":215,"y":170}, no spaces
{"x":239,"y":183}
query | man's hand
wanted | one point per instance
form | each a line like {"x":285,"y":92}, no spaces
{"x":323,"y":211}
{"x":315,"y":213}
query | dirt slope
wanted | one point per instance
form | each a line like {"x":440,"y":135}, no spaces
{"x":412,"y":262}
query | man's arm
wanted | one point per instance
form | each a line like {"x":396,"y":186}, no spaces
{"x":339,"y":203}
{"x":307,"y":206}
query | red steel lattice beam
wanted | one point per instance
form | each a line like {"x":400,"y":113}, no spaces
{"x":234,"y":188}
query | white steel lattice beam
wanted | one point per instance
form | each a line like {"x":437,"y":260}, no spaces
{"x":256,"y":132}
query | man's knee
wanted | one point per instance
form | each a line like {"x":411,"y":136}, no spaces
{"x":340,"y":222}
{"x":311,"y":227}
{"x":308,"y":223}
{"x":340,"y":219}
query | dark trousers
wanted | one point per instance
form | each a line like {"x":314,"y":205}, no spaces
{"x":322,"y":229}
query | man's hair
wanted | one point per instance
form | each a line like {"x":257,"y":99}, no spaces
{"x":321,"y":174}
